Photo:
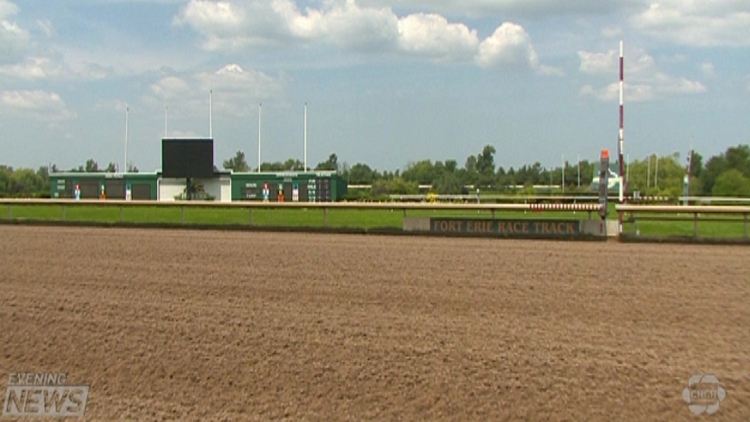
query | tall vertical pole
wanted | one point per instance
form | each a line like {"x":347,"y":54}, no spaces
{"x":621,"y":140}
{"x":210,"y":115}
{"x":656,"y":173}
{"x":260,"y":114}
{"x":125,"y":167}
{"x":305,"y":138}
{"x":578,"y":157}
{"x":648,"y":177}
{"x":562,"y":172}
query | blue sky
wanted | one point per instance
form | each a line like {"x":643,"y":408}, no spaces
{"x":386,"y":81}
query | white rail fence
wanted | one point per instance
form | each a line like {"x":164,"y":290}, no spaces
{"x":324,"y":206}
{"x":695,"y":213}
{"x":632,"y":214}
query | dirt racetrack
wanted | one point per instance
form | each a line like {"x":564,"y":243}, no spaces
{"x":209,"y":325}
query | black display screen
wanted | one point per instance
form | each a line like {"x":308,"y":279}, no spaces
{"x":183,"y":158}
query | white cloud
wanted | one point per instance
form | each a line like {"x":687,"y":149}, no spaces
{"x":697,"y":23}
{"x":598,"y":63}
{"x":530,"y":8}
{"x":431,"y":35}
{"x":508,"y":45}
{"x":13,"y":38}
{"x":233,"y":88}
{"x":46,"y":27}
{"x":545,"y":70}
{"x":230,"y":26}
{"x":39,"y":104}
{"x":32,"y":68}
{"x":611,"y":31}
{"x":7,"y":9}
{"x":643,"y":79}
{"x":707,"y":68}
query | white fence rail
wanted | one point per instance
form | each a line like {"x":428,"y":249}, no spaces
{"x":324,"y":206}
{"x":634,"y":213}
{"x":694,"y":213}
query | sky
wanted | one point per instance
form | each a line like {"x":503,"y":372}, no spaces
{"x":386,"y":82}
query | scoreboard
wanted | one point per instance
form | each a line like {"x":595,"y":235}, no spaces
{"x":288,"y":190}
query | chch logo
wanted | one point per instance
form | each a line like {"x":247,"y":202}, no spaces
{"x":703,"y":394}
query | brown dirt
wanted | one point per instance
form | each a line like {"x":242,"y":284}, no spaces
{"x":209,"y":325}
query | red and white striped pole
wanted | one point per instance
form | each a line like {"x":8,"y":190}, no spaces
{"x":621,"y":138}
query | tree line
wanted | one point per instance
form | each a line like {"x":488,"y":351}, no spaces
{"x":725,"y":174}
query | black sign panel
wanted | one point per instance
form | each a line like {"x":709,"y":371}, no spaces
{"x":183,"y":158}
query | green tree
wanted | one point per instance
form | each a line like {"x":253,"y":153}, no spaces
{"x":361,"y":174}
{"x":485,"y":163}
{"x":91,"y":166}
{"x":331,"y":164}
{"x":731,"y":183}
{"x":451,"y":166}
{"x":394,"y":186}
{"x":237,"y":164}
{"x":293,"y":164}
{"x":447,"y":184}
{"x":421,"y":172}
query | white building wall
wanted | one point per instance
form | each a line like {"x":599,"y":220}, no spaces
{"x":220,"y":188}
{"x":169,"y":188}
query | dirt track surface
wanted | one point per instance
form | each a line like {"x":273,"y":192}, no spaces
{"x":209,"y":325}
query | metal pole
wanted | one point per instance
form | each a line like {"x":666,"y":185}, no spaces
{"x":562,"y":184}
{"x":305,"y":140}
{"x":621,"y":143}
{"x":125,"y":166}
{"x":260,"y":115}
